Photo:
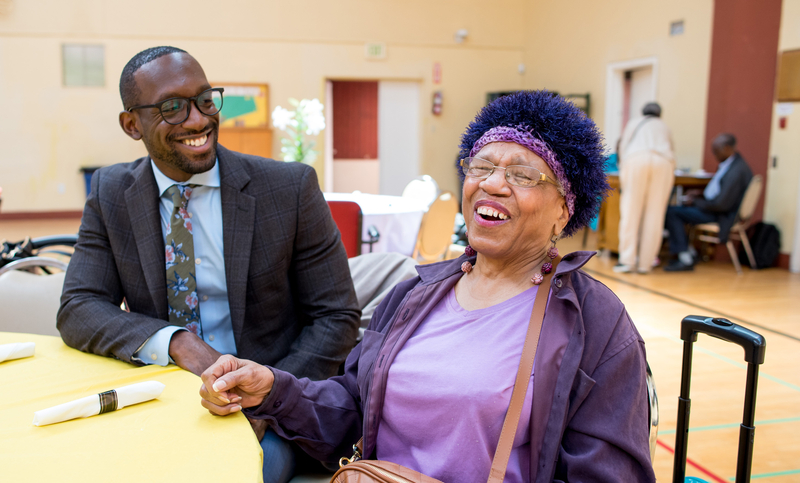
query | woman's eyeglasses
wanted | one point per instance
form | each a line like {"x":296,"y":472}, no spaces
{"x":175,"y":110}
{"x":517,"y":175}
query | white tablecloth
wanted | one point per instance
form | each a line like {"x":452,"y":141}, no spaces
{"x":396,"y":218}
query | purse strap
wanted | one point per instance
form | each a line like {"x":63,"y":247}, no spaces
{"x":503,"y":453}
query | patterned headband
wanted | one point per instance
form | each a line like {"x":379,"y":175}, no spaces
{"x":521,"y":135}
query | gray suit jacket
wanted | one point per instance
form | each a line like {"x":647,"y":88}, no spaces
{"x":290,"y":293}
{"x":725,"y":206}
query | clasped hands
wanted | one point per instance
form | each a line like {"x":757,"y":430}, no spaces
{"x":244,"y":384}
{"x":231,"y":384}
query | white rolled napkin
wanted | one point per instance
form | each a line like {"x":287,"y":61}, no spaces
{"x":17,"y":350}
{"x":99,"y":403}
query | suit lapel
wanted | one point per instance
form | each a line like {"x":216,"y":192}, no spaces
{"x":142,"y":201}
{"x":238,"y":222}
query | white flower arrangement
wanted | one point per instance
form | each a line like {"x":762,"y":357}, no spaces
{"x":306,"y":119}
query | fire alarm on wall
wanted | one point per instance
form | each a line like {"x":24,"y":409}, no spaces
{"x":437,"y":103}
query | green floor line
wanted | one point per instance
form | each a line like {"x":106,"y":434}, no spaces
{"x":770,"y":475}
{"x":733,"y":425}
{"x":761,"y":374}
{"x":722,"y":358}
{"x":744,"y":366}
{"x":692,"y":304}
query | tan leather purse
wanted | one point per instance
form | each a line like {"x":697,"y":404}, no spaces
{"x":356,"y":470}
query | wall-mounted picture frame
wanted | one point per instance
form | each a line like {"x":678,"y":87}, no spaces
{"x":244,"y":105}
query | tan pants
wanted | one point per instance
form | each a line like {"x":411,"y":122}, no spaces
{"x":646,"y":179}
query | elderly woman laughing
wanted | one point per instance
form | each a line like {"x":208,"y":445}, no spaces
{"x":429,"y":385}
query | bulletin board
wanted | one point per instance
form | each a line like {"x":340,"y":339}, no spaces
{"x":789,"y":76}
{"x":244,"y":106}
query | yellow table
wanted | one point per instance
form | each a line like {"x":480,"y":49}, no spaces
{"x":171,"y":438}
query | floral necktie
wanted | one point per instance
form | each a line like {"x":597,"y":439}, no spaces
{"x":184,"y":308}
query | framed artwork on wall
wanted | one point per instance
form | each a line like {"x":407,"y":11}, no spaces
{"x":244,"y":118}
{"x":244,"y":106}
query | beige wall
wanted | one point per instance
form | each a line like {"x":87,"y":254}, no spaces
{"x":570,"y":43}
{"x":48,"y":131}
{"x":783,"y":180}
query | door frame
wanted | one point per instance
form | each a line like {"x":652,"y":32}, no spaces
{"x":615,"y":88}
{"x":328,"y":156}
{"x":328,"y":161}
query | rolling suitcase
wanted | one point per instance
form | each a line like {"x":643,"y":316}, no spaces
{"x":754,"y":346}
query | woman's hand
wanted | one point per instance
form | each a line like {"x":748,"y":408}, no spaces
{"x":231,"y":384}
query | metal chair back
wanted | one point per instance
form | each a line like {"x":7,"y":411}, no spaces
{"x":30,"y":301}
{"x":436,"y":229}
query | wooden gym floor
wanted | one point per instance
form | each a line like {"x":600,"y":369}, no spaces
{"x":765,"y":301}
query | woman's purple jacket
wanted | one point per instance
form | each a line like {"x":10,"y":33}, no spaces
{"x":589,"y":418}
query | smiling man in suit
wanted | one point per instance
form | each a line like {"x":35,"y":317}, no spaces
{"x":214,"y":252}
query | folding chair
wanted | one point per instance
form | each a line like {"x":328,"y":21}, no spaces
{"x":348,"y":218}
{"x":436,"y":229}
{"x":709,"y":232}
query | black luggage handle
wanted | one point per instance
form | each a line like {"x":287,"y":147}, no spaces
{"x":755,"y":347}
{"x":753,"y":344}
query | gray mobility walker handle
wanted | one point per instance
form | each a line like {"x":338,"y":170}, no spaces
{"x":754,"y":346}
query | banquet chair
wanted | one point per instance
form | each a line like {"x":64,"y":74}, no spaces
{"x":436,"y":229}
{"x":424,"y":189}
{"x":709,"y":232}
{"x":58,"y":247}
{"x":348,"y":218}
{"x":30,"y":301}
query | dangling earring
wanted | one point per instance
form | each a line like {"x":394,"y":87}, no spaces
{"x":466,"y":267}
{"x":552,"y":252}
{"x":547,"y":267}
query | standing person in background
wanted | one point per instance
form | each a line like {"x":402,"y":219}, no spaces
{"x":646,"y":177}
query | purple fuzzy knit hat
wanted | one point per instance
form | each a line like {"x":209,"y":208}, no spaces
{"x":556,"y":131}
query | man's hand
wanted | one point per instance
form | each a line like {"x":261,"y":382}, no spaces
{"x":231,"y":384}
{"x":691,"y":195}
{"x":191,"y":353}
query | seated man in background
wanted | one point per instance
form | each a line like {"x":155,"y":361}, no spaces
{"x":719,"y":202}
{"x":214,"y":252}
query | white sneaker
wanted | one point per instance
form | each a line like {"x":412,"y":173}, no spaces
{"x":622,"y":268}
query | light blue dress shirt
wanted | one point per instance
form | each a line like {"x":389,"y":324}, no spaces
{"x":713,"y":188}
{"x":205,"y":207}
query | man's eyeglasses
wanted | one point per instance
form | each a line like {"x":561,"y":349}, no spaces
{"x":175,"y":110}
{"x":517,"y":175}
